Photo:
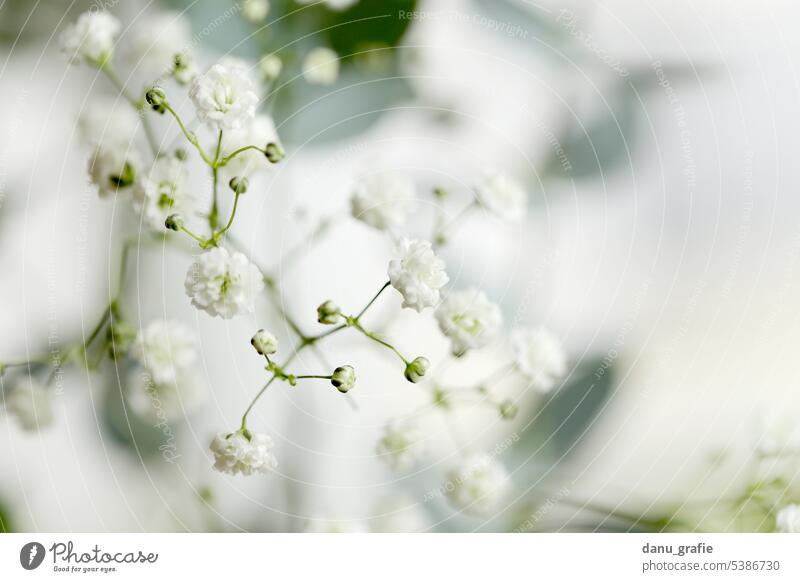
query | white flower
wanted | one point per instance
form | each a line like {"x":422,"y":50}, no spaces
{"x":91,"y":38}
{"x":502,"y":195}
{"x":478,"y":485}
{"x":321,"y":66}
{"x":540,"y":356}
{"x":324,"y":524}
{"x":224,"y":97}
{"x":332,"y":4}
{"x":399,"y":513}
{"x":382,"y":199}
{"x":113,"y":167}
{"x":234,"y":453}
{"x":163,"y":192}
{"x":270,"y":67}
{"x":166,"y":400}
{"x":417,"y":274}
{"x":777,"y":434}
{"x":223,"y":284}
{"x":165,"y":349}
{"x":31,"y":403}
{"x":788,"y":519}
{"x":469,"y":319}
{"x":255,"y":10}
{"x":154,"y":42}
{"x":259,"y":132}
{"x":106,"y":121}
{"x":401,"y":445}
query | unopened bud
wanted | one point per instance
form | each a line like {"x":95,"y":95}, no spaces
{"x":239,"y":185}
{"x":264,"y":342}
{"x":415,"y":370}
{"x":156,"y":97}
{"x":508,"y":409}
{"x":270,"y":66}
{"x":329,"y":313}
{"x":274,"y":152}
{"x":343,"y":378}
{"x":174,"y":222}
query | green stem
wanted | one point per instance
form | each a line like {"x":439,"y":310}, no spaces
{"x":228,"y":158}
{"x":357,"y":325}
{"x":198,"y":238}
{"x":307,"y":376}
{"x":191,"y":137}
{"x":371,"y":301}
{"x":138,"y":104}
{"x":230,"y":220}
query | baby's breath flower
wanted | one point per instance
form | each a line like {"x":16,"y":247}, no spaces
{"x":539,"y":356}
{"x":264,"y":342}
{"x":776,"y":434}
{"x":416,"y":369}
{"x":223,"y":284}
{"x":184,"y":68}
{"x":255,"y":11}
{"x":469,"y":319}
{"x":113,"y":167}
{"x":382,"y":199}
{"x":31,"y":403}
{"x":165,"y":349}
{"x":270,"y":67}
{"x":321,"y":66}
{"x":107,"y":122}
{"x":224,"y":97}
{"x":502,"y":195}
{"x":91,"y":38}
{"x":237,"y":454}
{"x":249,"y":162}
{"x":153,"y":42}
{"x":329,"y":313}
{"x":163,"y":193}
{"x":418,"y":274}
{"x":343,"y":378}
{"x":478,"y":485}
{"x":787,"y":519}
{"x":401,"y":445}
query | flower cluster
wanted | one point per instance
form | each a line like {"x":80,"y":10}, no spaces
{"x":223,"y":284}
{"x":240,"y":453}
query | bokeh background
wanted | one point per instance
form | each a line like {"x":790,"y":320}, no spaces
{"x":657,"y":141}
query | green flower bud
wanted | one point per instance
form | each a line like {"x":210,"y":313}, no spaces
{"x":156,"y":97}
{"x":416,"y":369}
{"x":174,"y":222}
{"x":181,"y":154}
{"x":440,"y":193}
{"x":343,"y":378}
{"x":239,"y":185}
{"x":126,"y":178}
{"x":508,"y":409}
{"x":119,"y":336}
{"x":264,"y":342}
{"x":274,"y":152}
{"x":329,"y":313}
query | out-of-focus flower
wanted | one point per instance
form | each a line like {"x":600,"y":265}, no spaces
{"x":469,"y":319}
{"x":418,"y":274}
{"x":321,"y":66}
{"x":382,"y":199}
{"x":163,"y":193}
{"x":91,"y":38}
{"x":776,"y":435}
{"x":327,"y":525}
{"x":235,"y":453}
{"x":167,"y":400}
{"x":502,"y":195}
{"x":264,"y":342}
{"x":113,"y":167}
{"x":259,"y":132}
{"x":478,"y":485}
{"x":343,"y":378}
{"x":787,"y":519}
{"x":154,"y":42}
{"x":401,"y":445}
{"x":255,"y":11}
{"x":270,"y":67}
{"x":223,"y":284}
{"x":109,"y":122}
{"x":184,"y":68}
{"x":332,"y":4}
{"x":165,"y":349}
{"x":540,"y":357}
{"x":224,"y":97}
{"x":399,"y":513}
{"x":31,"y":403}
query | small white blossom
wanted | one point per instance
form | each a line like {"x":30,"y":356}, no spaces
{"x":332,"y":4}
{"x":162,"y":193}
{"x":166,"y":400}
{"x":165,"y":349}
{"x":259,"y":132}
{"x":401,"y":445}
{"x":153,"y":43}
{"x":540,"y":357}
{"x":478,"y":485}
{"x":502,"y":195}
{"x":776,"y":434}
{"x":234,"y":453}
{"x":255,"y":11}
{"x":31,"y":403}
{"x":114,"y":167}
{"x":223,"y":284}
{"x":107,"y":122}
{"x":224,"y":97}
{"x":788,"y":519}
{"x":270,"y":67}
{"x":382,"y":199}
{"x":91,"y":38}
{"x":469,"y":319}
{"x":321,"y":66}
{"x":418,"y":274}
